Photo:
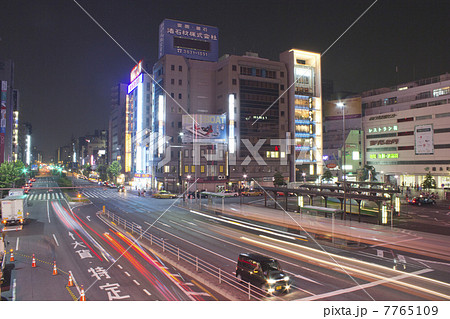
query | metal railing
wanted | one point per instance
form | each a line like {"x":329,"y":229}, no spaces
{"x":222,"y":277}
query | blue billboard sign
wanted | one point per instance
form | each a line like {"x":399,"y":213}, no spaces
{"x":193,"y":41}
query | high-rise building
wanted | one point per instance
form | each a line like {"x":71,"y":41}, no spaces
{"x":117,"y":123}
{"x":9,"y":112}
{"x":138,"y":126}
{"x":305,"y":112}
{"x":230,"y":122}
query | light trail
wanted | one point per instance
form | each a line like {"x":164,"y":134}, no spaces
{"x":71,"y":224}
{"x":140,"y":268}
{"x":353,"y":269}
{"x":136,"y":247}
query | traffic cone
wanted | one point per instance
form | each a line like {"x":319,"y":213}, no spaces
{"x":33,"y":262}
{"x":55,"y":271}
{"x":12,"y":255}
{"x":70,"y":284}
{"x":82,"y":297}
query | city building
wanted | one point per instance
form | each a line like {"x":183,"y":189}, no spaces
{"x":260,"y":115}
{"x":138,"y":125}
{"x":9,"y":121}
{"x":334,"y":124}
{"x":305,"y":113}
{"x":117,"y":123}
{"x":89,"y":149}
{"x":230,"y":122}
{"x":407,"y":131}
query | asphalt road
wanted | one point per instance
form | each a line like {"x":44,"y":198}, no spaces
{"x":97,"y":257}
{"x":220,"y":243}
{"x":80,"y":242}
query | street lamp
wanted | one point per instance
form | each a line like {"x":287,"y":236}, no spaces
{"x":304,"y":177}
{"x":342,"y":105}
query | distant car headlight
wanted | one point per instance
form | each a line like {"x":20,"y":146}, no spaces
{"x":271,"y":281}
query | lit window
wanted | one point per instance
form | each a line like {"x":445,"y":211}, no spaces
{"x":355,"y":156}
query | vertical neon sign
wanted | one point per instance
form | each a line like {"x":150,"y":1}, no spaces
{"x":231,"y":118}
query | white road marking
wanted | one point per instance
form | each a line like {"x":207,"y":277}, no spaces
{"x":14,"y":290}
{"x":48,"y":213}
{"x":71,"y":236}
{"x":134,"y":280}
{"x":119,"y":266}
{"x":88,"y":218}
{"x":396,"y":242}
{"x":364,"y":286}
{"x":127,"y":274}
{"x":194,"y":293}
{"x":189,"y":284}
{"x":54,"y":237}
{"x":145,"y":290}
{"x":17,"y":244}
{"x":165,"y":224}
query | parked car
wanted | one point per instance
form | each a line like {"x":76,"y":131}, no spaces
{"x":164,"y":194}
{"x":229,"y":193}
{"x":422,"y":200}
{"x":262,"y":271}
{"x":252,"y":192}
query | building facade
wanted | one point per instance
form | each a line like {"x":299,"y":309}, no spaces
{"x":304,"y":96}
{"x":9,"y":99}
{"x":407,"y":131}
{"x":117,"y":121}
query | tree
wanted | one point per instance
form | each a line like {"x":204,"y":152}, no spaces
{"x":429,"y":182}
{"x":278,"y":179}
{"x":102,"y":170}
{"x":327,"y":176}
{"x":11,"y":173}
{"x":114,"y":170}
{"x":87,"y":170}
{"x":368,"y":173}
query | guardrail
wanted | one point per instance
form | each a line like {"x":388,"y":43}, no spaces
{"x":222,"y":277}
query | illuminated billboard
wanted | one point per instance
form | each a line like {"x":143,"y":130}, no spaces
{"x":424,"y":139}
{"x":136,"y":71}
{"x":193,"y":41}
{"x":135,"y":83}
{"x":204,"y":128}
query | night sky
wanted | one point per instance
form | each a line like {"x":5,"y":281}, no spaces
{"x":66,"y":65}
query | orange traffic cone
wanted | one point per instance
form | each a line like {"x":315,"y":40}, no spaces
{"x":70,"y":284}
{"x":55,"y":272}
{"x":12,"y":255}
{"x":33,"y":262}
{"x":82,"y":297}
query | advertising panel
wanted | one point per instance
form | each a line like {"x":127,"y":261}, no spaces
{"x":204,"y":128}
{"x":193,"y":41}
{"x":424,"y":139}
{"x":136,"y":71}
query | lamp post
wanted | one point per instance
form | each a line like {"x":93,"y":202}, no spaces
{"x":344,"y":180}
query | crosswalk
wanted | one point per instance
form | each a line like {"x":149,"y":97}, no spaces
{"x":45,"y":196}
{"x":100,"y":194}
